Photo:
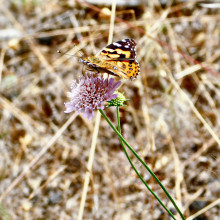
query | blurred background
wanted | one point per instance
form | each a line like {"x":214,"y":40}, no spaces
{"x":172,"y":118}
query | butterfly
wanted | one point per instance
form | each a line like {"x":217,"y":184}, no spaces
{"x":118,"y":59}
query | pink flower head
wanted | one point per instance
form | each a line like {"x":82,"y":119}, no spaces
{"x":90,"y":93}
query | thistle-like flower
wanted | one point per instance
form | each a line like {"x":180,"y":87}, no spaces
{"x":90,"y":93}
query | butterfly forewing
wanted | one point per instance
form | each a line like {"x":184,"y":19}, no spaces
{"x":121,"y":50}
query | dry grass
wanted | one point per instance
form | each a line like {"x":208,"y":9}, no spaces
{"x":172,"y":119}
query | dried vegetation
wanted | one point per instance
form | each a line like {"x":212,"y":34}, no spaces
{"x":172,"y":119}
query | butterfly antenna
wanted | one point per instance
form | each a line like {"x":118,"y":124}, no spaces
{"x":64,"y":53}
{"x":79,"y":53}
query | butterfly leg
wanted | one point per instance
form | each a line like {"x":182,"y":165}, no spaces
{"x":90,"y":69}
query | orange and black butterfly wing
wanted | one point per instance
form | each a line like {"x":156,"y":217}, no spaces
{"x":121,"y":50}
{"x":118,"y":59}
{"x":120,"y":56}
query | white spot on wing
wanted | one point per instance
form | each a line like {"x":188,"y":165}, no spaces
{"x":117,"y":44}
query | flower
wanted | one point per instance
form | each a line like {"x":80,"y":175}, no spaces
{"x":90,"y":93}
{"x":118,"y":101}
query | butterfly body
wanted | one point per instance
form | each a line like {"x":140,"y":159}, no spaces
{"x":118,"y":59}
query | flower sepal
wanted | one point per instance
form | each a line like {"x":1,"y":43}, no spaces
{"x":118,"y":101}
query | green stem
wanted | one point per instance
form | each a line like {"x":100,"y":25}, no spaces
{"x":145,"y":165}
{"x":119,"y":129}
